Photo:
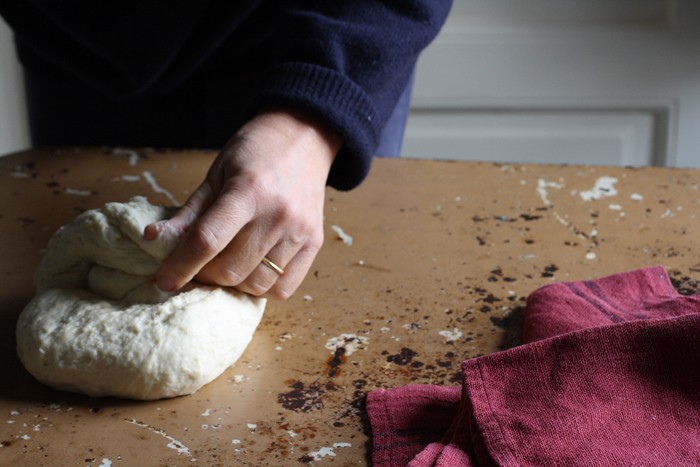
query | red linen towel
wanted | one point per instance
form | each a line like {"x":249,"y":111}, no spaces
{"x":609,"y":375}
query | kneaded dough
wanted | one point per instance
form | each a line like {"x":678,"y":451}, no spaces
{"x":98,"y":324}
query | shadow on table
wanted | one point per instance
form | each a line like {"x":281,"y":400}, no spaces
{"x":18,"y":385}
{"x":512,"y":324}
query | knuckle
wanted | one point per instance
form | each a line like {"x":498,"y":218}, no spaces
{"x":279,"y":209}
{"x":300,"y":229}
{"x":311,"y":245}
{"x":187,"y":211}
{"x":280,"y":293}
{"x":203,"y":241}
{"x":255,"y":288}
{"x":221,"y":277}
{"x":231,"y":278}
{"x":315,"y":242}
{"x":252,"y":183}
{"x":221,"y":272}
{"x":284,"y":213}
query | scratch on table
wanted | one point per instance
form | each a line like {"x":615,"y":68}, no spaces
{"x":73,"y":191}
{"x":132,"y":155}
{"x":173,"y":444}
{"x":129,"y":178}
{"x":148,"y":176}
{"x":347,"y":239}
{"x":237,"y":379}
{"x":542,"y":186}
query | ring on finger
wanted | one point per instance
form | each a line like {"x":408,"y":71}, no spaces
{"x":272,"y":266}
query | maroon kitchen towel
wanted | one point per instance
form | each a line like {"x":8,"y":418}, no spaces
{"x":610,"y":375}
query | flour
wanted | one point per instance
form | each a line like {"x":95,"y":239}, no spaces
{"x":99,"y":325}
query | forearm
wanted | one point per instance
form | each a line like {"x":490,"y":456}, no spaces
{"x":348,"y":65}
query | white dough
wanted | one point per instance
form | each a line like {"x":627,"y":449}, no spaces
{"x":99,"y":325}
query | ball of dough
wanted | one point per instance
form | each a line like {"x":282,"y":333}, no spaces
{"x":99,"y":325}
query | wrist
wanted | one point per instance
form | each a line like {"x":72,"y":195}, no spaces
{"x":298,"y":128}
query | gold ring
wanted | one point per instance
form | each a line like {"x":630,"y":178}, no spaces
{"x":272,"y":266}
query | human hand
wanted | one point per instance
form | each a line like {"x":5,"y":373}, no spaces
{"x":262,"y":198}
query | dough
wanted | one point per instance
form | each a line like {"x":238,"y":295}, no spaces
{"x":99,"y":325}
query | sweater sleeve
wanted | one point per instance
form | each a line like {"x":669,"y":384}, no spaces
{"x":347,"y":63}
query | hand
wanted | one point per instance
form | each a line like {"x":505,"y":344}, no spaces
{"x":262,"y":197}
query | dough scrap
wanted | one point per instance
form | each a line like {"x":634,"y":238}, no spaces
{"x":98,"y":324}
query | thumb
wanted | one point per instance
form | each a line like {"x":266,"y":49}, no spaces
{"x":181,"y":221}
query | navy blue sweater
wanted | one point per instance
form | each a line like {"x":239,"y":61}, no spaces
{"x":345,"y":62}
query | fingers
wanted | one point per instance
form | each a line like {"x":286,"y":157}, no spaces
{"x":206,"y":236}
{"x":294,"y":274}
{"x":232,"y":266}
{"x":180,"y":223}
{"x":263,"y":197}
{"x":240,"y":264}
{"x":224,"y":239}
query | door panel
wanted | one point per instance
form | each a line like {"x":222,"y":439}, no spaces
{"x":607,"y":62}
{"x":617,"y":138}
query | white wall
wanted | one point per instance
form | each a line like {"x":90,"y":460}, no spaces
{"x":14,"y":134}
{"x":578,"y":81}
{"x":553,"y":82}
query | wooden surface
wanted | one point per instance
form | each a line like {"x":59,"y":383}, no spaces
{"x":442,"y":257}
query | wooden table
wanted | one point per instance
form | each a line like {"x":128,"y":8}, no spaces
{"x":442,"y":257}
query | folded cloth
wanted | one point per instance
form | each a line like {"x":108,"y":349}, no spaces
{"x":609,"y":375}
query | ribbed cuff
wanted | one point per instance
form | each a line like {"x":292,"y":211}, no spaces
{"x":339,"y":102}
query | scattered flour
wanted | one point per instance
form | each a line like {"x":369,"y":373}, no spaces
{"x":604,"y":187}
{"x":453,"y":335}
{"x":347,"y":239}
{"x":133,"y":156}
{"x":542,"y":186}
{"x":351,"y":342}
{"x":76,"y":192}
{"x":328,"y":451}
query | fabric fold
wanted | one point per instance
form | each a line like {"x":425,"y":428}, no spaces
{"x":608,"y":375}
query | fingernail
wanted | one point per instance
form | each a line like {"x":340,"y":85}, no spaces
{"x":165,"y":284}
{"x":150,"y":232}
